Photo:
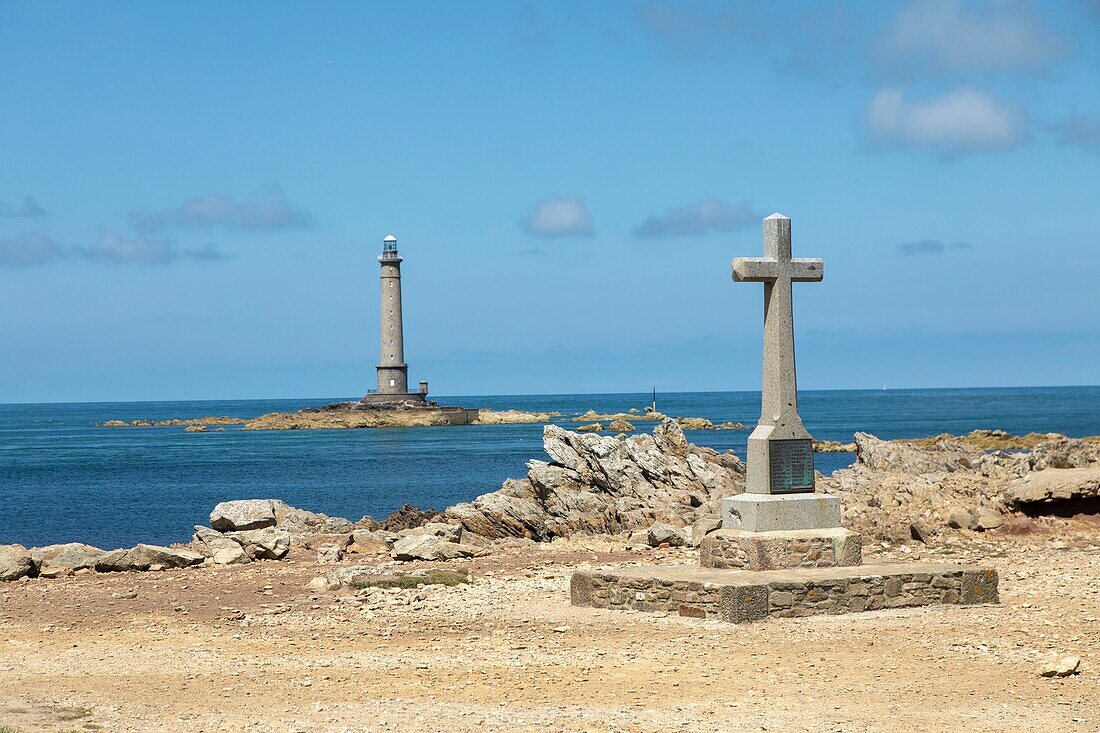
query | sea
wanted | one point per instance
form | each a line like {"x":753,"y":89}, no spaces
{"x":64,"y":479}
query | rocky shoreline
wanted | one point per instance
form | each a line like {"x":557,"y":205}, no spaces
{"x":642,"y":490}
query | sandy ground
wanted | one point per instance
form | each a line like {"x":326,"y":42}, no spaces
{"x":254,"y":648}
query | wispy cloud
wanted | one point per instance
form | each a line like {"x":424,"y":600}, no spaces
{"x":948,"y":36}
{"x":29,"y":250}
{"x":206,"y":254}
{"x":695,"y":220}
{"x":117,"y":249}
{"x":28,"y":209}
{"x":268,"y":211}
{"x":530,"y":28}
{"x":560,"y":216}
{"x":1081,"y":131}
{"x":36,"y":250}
{"x":964,"y":120}
{"x":694,"y":27}
{"x":930,"y":247}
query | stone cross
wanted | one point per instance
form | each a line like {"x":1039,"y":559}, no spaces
{"x":780,"y":450}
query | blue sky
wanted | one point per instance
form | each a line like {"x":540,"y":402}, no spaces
{"x":192,"y":195}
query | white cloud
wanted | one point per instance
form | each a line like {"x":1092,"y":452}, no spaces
{"x":960,"y":121}
{"x":698,"y":219}
{"x":28,"y":209}
{"x":268,"y":211}
{"x":948,"y":35}
{"x":29,"y":250}
{"x":560,"y":216}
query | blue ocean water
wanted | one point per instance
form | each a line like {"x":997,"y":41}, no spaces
{"x":63,"y":479}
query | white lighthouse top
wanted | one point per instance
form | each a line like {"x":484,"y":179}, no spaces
{"x":390,"y":238}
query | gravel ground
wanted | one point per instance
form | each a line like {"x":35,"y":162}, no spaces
{"x":253,"y":647}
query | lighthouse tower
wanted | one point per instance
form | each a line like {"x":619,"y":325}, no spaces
{"x":393,"y":372}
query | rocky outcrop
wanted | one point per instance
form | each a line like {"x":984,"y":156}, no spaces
{"x":832,"y":446}
{"x":196,"y":422}
{"x":352,"y":415}
{"x":947,"y":484}
{"x":15,"y":562}
{"x":407,"y":517}
{"x":695,"y":423}
{"x":1063,"y":452}
{"x":513,"y":417}
{"x":884,"y":455}
{"x":598,"y":484}
{"x":1055,"y":485}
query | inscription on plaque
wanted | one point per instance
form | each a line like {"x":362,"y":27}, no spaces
{"x":792,"y":466}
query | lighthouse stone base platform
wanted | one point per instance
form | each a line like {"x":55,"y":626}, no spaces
{"x":739,"y":596}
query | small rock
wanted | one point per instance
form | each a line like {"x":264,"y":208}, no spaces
{"x":919,"y":532}
{"x":322,"y":583}
{"x":660,"y":534}
{"x":985,"y":518}
{"x":561,"y":629}
{"x":329,"y":554}
{"x":1063,"y":667}
{"x":959,"y":520}
{"x":702,"y":527}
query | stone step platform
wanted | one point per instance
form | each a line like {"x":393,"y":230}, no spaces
{"x":738,"y":596}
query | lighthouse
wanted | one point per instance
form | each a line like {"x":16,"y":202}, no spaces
{"x":393,"y":372}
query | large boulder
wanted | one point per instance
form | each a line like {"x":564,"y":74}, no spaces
{"x":1055,"y":485}
{"x":269,"y":543}
{"x":243,"y":514}
{"x":53,"y":561}
{"x":449,"y":532}
{"x":15,"y":562}
{"x":218,"y":547}
{"x":371,"y":542}
{"x":146,"y":557}
{"x":301,"y":521}
{"x":431,"y":547}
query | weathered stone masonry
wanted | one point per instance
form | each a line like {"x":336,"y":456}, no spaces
{"x":740,"y":596}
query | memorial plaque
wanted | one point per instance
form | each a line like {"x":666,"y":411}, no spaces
{"x":792,"y":466}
